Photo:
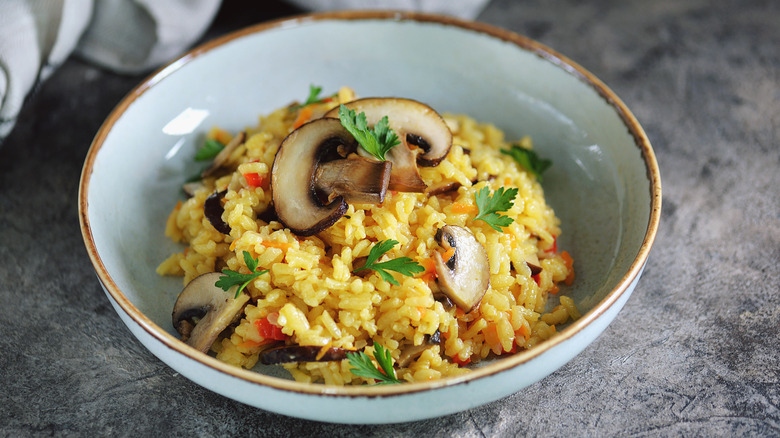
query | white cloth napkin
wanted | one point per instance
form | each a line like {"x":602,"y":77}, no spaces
{"x":127,"y":36}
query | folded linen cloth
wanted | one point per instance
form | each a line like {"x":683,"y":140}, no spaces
{"x":129,"y":36}
{"x":126,"y":36}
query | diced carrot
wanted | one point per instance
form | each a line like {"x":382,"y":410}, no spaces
{"x":252,"y":344}
{"x":448,"y":254}
{"x":221,"y":135}
{"x":555,"y":289}
{"x":430,"y":270}
{"x":303,"y":116}
{"x":284,"y":246}
{"x":459,"y":208}
{"x":522,"y":332}
{"x":570,"y":266}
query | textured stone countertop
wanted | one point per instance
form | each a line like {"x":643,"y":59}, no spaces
{"x":695,"y":351}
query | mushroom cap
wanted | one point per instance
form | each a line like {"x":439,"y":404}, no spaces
{"x":213,"y":308}
{"x":465,"y":277}
{"x":415,"y":123}
{"x":293,"y":176}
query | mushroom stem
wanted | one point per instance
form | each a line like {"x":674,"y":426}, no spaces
{"x":356,"y":179}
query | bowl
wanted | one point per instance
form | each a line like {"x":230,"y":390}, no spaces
{"x":604,"y":184}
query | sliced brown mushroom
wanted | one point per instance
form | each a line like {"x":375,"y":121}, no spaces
{"x":309,"y":192}
{"x":190,"y":188}
{"x":412,"y":352}
{"x":465,"y":277}
{"x":203,"y":311}
{"x":533,"y":263}
{"x":441,"y":189}
{"x":415,"y":124}
{"x":224,"y":154}
{"x":213,"y":209}
{"x":303,"y":353}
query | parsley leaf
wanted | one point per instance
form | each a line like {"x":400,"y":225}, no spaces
{"x":529,"y":160}
{"x":209,"y":150}
{"x":489,"y":206}
{"x":377,"y":141}
{"x":402,"y":265}
{"x":364,"y":367}
{"x":233,"y":278}
{"x":314,"y":97}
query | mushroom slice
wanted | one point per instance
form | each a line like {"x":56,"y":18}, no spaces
{"x":303,"y":353}
{"x":465,"y":277}
{"x":413,"y":352}
{"x":533,"y":263}
{"x":294,"y":176}
{"x":190,"y":188}
{"x":203,"y":311}
{"x":442,"y":189}
{"x":213,"y":209}
{"x":356,"y":179}
{"x":224,"y":154}
{"x":416,"y":124}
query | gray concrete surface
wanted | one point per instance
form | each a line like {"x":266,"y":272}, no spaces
{"x":695,"y":352}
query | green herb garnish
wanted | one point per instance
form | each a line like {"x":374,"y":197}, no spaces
{"x":529,"y":160}
{"x":314,"y":97}
{"x":377,"y":141}
{"x":402,"y":265}
{"x":209,"y":150}
{"x":233,"y":278}
{"x":364,"y":367}
{"x":489,"y":206}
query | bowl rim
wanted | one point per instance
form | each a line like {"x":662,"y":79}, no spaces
{"x":524,"y":43}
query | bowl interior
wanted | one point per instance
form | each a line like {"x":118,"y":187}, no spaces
{"x":598,"y":184}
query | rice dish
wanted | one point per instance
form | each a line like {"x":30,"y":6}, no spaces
{"x":313,"y":293}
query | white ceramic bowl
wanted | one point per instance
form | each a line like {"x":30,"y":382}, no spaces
{"x":604,"y":184}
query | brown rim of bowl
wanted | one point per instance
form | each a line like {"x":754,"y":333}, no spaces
{"x":495,"y":367}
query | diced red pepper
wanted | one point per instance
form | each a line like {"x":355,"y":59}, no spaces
{"x":269,"y":330}
{"x":255,"y":180}
{"x":537,"y":279}
{"x":461,"y":363}
{"x":554,"y":247}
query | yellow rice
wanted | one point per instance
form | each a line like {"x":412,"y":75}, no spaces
{"x":320,"y":302}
